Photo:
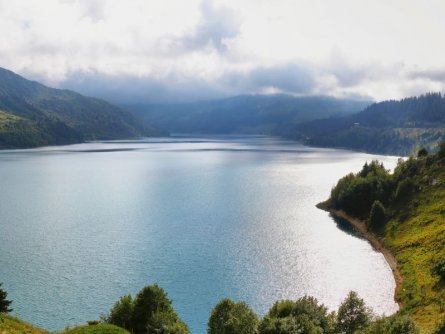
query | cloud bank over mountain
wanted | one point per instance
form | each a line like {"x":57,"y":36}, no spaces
{"x":175,"y":50}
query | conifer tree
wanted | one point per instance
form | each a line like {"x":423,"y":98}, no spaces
{"x":4,"y":303}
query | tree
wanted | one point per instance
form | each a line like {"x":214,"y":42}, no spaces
{"x":150,"y":312}
{"x":4,"y":303}
{"x":229,"y":317}
{"x":377,"y":217}
{"x":303,"y":316}
{"x":405,"y":188}
{"x":122,"y":313}
{"x":353,"y":314}
{"x":441,"y":152}
{"x":423,"y":152}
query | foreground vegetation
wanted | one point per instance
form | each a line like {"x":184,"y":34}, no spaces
{"x":407,"y":210}
{"x":151,"y":312}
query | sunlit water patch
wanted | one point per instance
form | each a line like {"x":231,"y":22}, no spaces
{"x":205,"y":218}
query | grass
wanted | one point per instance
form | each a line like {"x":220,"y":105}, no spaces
{"x":96,"y":329}
{"x":13,"y":325}
{"x":417,"y":240}
{"x":414,"y":199}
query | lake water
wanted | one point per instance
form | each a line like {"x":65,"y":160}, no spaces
{"x":205,"y":218}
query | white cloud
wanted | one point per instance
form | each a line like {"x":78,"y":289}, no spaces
{"x":176,"y":49}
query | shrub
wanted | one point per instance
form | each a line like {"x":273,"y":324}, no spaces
{"x":439,"y":268}
{"x":403,"y":325}
{"x":396,"y":324}
{"x":441,"y":328}
{"x":229,"y":317}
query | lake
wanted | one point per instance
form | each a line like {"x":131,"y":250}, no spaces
{"x":205,"y":218}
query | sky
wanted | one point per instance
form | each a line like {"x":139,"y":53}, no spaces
{"x":146,"y":51}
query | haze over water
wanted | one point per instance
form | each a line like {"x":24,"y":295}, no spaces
{"x":205,"y":218}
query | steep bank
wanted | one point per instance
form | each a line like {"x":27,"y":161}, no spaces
{"x":403,"y":215}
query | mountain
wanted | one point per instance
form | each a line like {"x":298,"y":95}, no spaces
{"x":389,"y":127}
{"x":32,"y":114}
{"x":256,"y":114}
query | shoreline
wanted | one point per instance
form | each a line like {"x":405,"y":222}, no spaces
{"x":373,"y":240}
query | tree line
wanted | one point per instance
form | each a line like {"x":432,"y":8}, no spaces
{"x":151,"y":312}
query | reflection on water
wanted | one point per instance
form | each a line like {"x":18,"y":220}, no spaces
{"x":206,"y":218}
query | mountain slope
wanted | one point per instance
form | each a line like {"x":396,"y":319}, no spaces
{"x":259,"y":114}
{"x":53,"y":116}
{"x":411,"y":226}
{"x":390,"y":127}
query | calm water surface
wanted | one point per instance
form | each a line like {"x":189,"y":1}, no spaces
{"x":205,"y":218}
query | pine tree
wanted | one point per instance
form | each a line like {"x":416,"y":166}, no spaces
{"x":4,"y":303}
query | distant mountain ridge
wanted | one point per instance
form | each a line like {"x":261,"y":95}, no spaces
{"x":32,"y":114}
{"x":389,"y":127}
{"x":245,"y":114}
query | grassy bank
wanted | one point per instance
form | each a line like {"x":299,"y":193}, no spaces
{"x":412,"y":228}
{"x":13,"y":325}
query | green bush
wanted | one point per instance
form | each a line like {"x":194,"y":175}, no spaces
{"x":403,"y":325}
{"x":439,"y":268}
{"x":396,"y":324}
{"x":441,"y":328}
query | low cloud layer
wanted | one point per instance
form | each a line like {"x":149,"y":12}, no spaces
{"x":142,"y":51}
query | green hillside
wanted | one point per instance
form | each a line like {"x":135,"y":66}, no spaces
{"x":407,"y":210}
{"x":13,"y":325}
{"x":249,"y":114}
{"x":389,"y":127}
{"x":47,"y":116}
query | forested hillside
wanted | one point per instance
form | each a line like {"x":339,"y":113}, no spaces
{"x":390,"y":127}
{"x":250,"y":114}
{"x":33,"y":115}
{"x":407,"y":210}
